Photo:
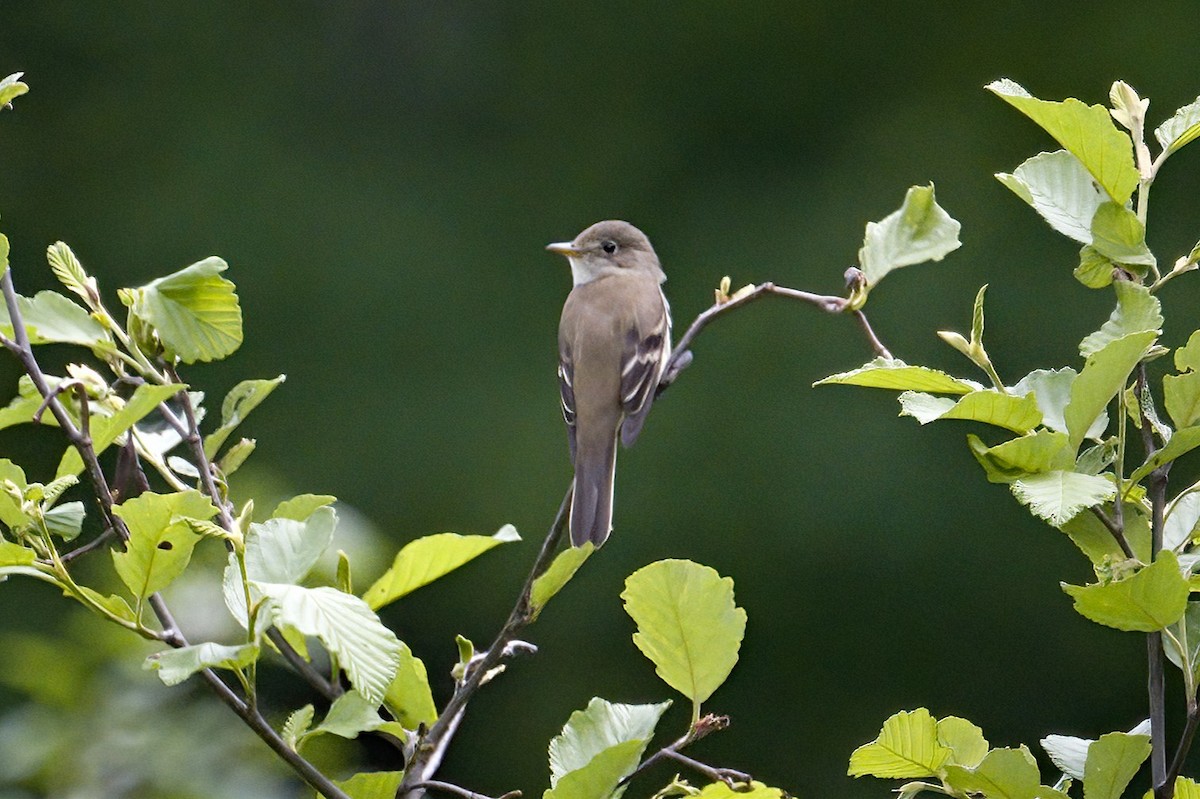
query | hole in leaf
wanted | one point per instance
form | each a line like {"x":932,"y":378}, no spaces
{"x":166,"y":545}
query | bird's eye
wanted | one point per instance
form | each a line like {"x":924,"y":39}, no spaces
{"x":608,"y":246}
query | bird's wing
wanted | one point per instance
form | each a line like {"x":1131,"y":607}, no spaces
{"x":642,"y":365}
{"x":566,"y":393}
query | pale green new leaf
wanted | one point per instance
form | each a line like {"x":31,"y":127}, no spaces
{"x":194,"y":310}
{"x":919,"y":231}
{"x":349,"y":715}
{"x":160,"y":541}
{"x":368,"y":651}
{"x":106,"y":429}
{"x":1059,"y":495}
{"x":235,"y":456}
{"x":1137,"y":311}
{"x":1186,"y":789}
{"x":907,"y":747}
{"x":67,"y":269}
{"x":1052,"y":389}
{"x":1182,"y":520}
{"x":372,"y":785}
{"x":1112,"y":761}
{"x":408,"y":698}
{"x":599,"y":778}
{"x":1086,"y":131}
{"x":176,"y":665}
{"x":1003,"y":774}
{"x":896,"y":375}
{"x":241,"y":399}
{"x":11,"y":88}
{"x":1181,"y":395}
{"x":1043,"y":451}
{"x":1095,"y":270}
{"x":15,"y":555}
{"x":301,"y":506}
{"x":65,"y":520}
{"x":285,"y":550}
{"x":1152,"y":599}
{"x":719,"y":790}
{"x":424,"y":560}
{"x":1182,"y":128}
{"x":1019,"y":414}
{"x":688,"y":624}
{"x":1104,"y":375}
{"x":1187,"y":357}
{"x":556,"y":576}
{"x":601,"y":726}
{"x":1183,"y":442}
{"x":10,"y":506}
{"x":297,"y":725}
{"x":51,"y":318}
{"x":1060,"y":189}
{"x":1120,"y":236}
{"x":965,"y":741}
{"x":112,"y":603}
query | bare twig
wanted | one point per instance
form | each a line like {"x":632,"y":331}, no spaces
{"x":96,"y":543}
{"x":326,"y":688}
{"x":446,"y":787}
{"x":703,"y":727}
{"x":729,"y":776}
{"x":1118,"y":534}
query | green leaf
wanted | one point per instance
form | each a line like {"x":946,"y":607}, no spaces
{"x":10,"y":507}
{"x":1086,"y":131}
{"x":51,"y":318}
{"x":719,"y":790}
{"x":1152,"y":599}
{"x":896,"y":375}
{"x":422,"y":561}
{"x":68,"y":270}
{"x":1137,"y":311}
{"x":919,"y":231}
{"x":688,"y":624}
{"x":366,"y":650}
{"x":1019,"y":414}
{"x":408,"y":698}
{"x":1052,"y":390}
{"x":11,"y":88}
{"x":297,"y":725}
{"x":1103,"y":376}
{"x":1182,"y":128}
{"x":349,"y":715}
{"x":1059,"y":495}
{"x":1060,"y":189}
{"x":1095,"y":270}
{"x":559,"y":573}
{"x":160,"y":541}
{"x":285,"y":550}
{"x":372,"y":785}
{"x":235,"y":456}
{"x":1120,"y":236}
{"x":1095,"y":541}
{"x":1181,"y":395}
{"x":241,"y":399}
{"x":965,"y":741}
{"x":1183,"y":442}
{"x":1112,"y":761}
{"x":1186,"y":789}
{"x":1182,"y":519}
{"x":195,"y":311}
{"x":1043,"y":451}
{"x":1187,"y":357}
{"x":176,"y":665}
{"x":1003,"y":774}
{"x":112,"y":603}
{"x":106,"y":429}
{"x":65,"y":520}
{"x":906,"y":747}
{"x":603,"y":743}
{"x":15,"y":555}
{"x":302,"y":506}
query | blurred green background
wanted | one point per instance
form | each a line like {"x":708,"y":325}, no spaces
{"x":382,"y":178}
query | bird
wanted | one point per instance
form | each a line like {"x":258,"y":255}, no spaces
{"x":614,"y":342}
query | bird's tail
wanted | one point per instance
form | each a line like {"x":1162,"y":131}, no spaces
{"x":592,"y":503}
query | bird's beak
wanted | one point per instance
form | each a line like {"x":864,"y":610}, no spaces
{"x":566,"y":248}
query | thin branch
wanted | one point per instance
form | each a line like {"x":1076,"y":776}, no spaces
{"x":1114,"y":528}
{"x":703,"y":727}
{"x":456,"y":790}
{"x":726,"y":775}
{"x":96,"y":543}
{"x":1185,"y":742}
{"x":326,"y":688}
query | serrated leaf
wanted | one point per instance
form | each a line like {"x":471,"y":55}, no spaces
{"x":1103,"y":376}
{"x":176,"y":665}
{"x":1187,"y":357}
{"x":368,"y":651}
{"x":919,"y":231}
{"x":907,"y":747}
{"x":51,"y":318}
{"x":688,"y":624}
{"x":160,"y":540}
{"x":556,"y":576}
{"x":1059,"y":495}
{"x":965,"y":741}
{"x":1061,"y":190}
{"x":302,"y":506}
{"x":1112,"y":761}
{"x":106,"y":429}
{"x":372,"y":785}
{"x":1003,"y":774}
{"x":896,"y":375}
{"x":297,"y":725}
{"x":1137,"y":311}
{"x":1019,"y":414}
{"x":1086,"y":131}
{"x":1183,"y":442}
{"x":424,"y":560}
{"x":1152,"y":599}
{"x":600,"y":727}
{"x":1182,"y":128}
{"x":195,"y":311}
{"x":241,"y":399}
{"x":1043,"y":451}
{"x":11,"y":88}
{"x":285,"y":550}
{"x":1120,"y":236}
{"x":67,"y":269}
{"x":408,"y":698}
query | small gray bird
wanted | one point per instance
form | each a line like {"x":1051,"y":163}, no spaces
{"x":614,"y":340}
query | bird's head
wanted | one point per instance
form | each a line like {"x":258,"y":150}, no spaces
{"x":609,"y":247}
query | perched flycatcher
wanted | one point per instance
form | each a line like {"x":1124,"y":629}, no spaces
{"x":614,"y":341}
